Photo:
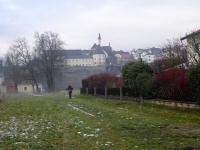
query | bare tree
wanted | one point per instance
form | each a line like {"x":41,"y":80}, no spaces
{"x":47,"y":48}
{"x":21,"y":55}
{"x":175,"y":52}
{"x":12,"y":68}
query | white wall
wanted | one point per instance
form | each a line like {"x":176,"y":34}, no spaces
{"x":79,"y":62}
{"x":99,"y":59}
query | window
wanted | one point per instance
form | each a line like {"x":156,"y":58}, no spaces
{"x":25,"y":88}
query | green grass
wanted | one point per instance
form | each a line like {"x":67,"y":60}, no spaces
{"x":51,"y":122}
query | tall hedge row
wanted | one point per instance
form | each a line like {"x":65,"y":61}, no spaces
{"x":173,"y":83}
{"x":103,"y":80}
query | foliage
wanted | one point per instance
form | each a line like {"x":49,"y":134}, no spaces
{"x":173,"y":84}
{"x":101,"y":81}
{"x":144,"y":83}
{"x":194,"y":78}
{"x":134,"y":76}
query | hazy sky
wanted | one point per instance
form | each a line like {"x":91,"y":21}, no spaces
{"x":126,"y":24}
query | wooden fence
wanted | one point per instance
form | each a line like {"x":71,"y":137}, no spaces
{"x":127,"y":94}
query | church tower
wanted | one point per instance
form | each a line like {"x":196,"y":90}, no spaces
{"x":99,"y":39}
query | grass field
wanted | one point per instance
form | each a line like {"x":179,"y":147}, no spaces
{"x":87,"y":123}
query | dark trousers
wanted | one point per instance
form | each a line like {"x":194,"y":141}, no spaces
{"x":70,"y":94}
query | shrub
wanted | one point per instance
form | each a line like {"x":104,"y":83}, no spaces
{"x":144,"y":83}
{"x":173,"y":83}
{"x":101,"y":81}
{"x":194,"y":78}
{"x":131,"y":71}
{"x":137,"y":76}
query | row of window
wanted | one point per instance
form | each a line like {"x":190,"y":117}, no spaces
{"x":85,"y":60}
{"x":78,"y":64}
{"x":79,"y":60}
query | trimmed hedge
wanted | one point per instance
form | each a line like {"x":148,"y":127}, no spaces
{"x":101,"y":81}
{"x":173,"y":84}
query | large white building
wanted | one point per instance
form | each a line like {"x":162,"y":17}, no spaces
{"x":78,"y":58}
{"x":99,"y":59}
{"x":97,"y":56}
{"x":147,"y":55}
{"x":84,"y":58}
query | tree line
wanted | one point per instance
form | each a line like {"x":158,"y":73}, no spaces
{"x":176,"y":75}
{"x":24,"y":62}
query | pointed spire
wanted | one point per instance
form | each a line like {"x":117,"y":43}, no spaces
{"x":99,"y":39}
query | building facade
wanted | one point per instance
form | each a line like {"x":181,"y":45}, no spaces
{"x":193,"y":47}
{"x":96,"y":56}
{"x":147,"y":55}
{"x":26,"y":87}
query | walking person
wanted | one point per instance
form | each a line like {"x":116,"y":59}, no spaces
{"x":70,"y":89}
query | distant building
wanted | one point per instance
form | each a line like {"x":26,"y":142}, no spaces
{"x":10,"y":87}
{"x":147,"y":55}
{"x":122,"y":57}
{"x":193,"y":47}
{"x":96,"y":56}
{"x":78,"y":58}
{"x":99,"y":58}
{"x":26,"y":87}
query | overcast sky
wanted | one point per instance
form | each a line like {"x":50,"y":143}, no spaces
{"x":126,"y":24}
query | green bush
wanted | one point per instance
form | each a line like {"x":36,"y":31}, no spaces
{"x":194,"y":80}
{"x":144,"y":83}
{"x":138,"y":77}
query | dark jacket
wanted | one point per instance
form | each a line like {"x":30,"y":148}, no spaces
{"x":70,"y":88}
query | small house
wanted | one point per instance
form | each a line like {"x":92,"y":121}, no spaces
{"x":27,"y":87}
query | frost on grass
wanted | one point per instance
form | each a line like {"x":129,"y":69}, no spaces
{"x":23,"y":129}
{"x":88,"y":132}
{"x":84,"y":130}
{"x":80,"y":110}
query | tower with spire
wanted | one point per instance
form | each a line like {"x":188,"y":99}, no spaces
{"x":99,"y":39}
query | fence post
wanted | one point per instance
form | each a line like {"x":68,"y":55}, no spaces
{"x":95,"y":91}
{"x":121,"y":93}
{"x":87,"y":91}
{"x":106,"y":94}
